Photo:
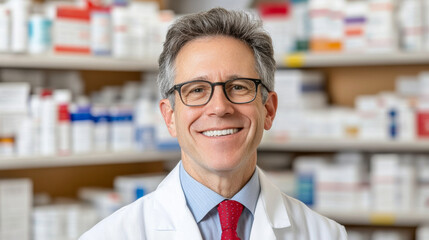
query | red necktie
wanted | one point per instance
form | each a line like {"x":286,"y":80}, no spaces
{"x":229,"y":213}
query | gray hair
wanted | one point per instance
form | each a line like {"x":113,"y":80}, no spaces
{"x":217,"y":22}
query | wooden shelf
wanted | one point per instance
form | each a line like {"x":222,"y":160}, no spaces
{"x":80,"y":62}
{"x":380,"y":219}
{"x":130,"y":157}
{"x":332,"y":145}
{"x":352,"y":59}
{"x":85,"y":159}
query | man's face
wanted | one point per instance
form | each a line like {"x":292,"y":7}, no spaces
{"x":218,"y":59}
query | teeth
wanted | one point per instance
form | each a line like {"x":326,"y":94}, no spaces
{"x":217,"y":133}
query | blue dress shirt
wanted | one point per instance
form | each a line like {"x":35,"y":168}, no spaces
{"x":203,"y":202}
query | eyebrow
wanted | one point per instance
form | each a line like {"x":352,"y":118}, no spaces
{"x":205,"y":77}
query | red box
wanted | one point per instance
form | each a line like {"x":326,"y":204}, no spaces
{"x":72,"y":30}
{"x":423,"y":124}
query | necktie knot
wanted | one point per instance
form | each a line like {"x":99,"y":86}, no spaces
{"x":229,"y":213}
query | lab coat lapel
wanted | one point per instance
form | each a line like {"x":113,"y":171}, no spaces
{"x":172,"y":217}
{"x":270,"y":212}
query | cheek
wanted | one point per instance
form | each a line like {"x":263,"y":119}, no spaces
{"x":260,"y":113}
{"x":256,"y":118}
{"x":185,"y":119}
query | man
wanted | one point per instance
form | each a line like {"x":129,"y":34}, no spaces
{"x":217,"y":80}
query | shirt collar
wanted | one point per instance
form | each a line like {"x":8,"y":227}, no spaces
{"x":200,"y":199}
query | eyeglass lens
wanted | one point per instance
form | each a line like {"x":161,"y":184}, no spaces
{"x":199,"y":92}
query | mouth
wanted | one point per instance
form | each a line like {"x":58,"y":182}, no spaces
{"x":219,"y":133}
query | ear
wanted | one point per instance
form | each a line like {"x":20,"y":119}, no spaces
{"x":271,"y":109}
{"x":168,"y":115}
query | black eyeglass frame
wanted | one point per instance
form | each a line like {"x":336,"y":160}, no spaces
{"x":178,"y":88}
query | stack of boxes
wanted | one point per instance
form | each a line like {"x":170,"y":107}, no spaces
{"x":15,"y":209}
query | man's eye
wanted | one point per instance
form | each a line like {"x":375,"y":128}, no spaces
{"x":238,"y":87}
{"x":197,"y":90}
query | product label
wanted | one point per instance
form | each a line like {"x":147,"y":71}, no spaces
{"x":71,"y":36}
{"x":72,"y":31}
{"x":100,"y":33}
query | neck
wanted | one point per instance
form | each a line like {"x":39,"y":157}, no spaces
{"x":225,"y":183}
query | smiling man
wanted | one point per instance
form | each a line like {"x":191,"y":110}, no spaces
{"x":217,"y":80}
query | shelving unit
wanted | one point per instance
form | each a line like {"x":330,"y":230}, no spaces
{"x":344,"y":72}
{"x":311,"y":61}
{"x":85,"y":159}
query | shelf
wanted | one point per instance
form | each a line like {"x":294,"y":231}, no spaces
{"x":130,"y":157}
{"x":81,"y":62}
{"x":76,"y":62}
{"x":85,"y":159}
{"x":380,"y":219}
{"x":331,"y":145}
{"x":353,"y":59}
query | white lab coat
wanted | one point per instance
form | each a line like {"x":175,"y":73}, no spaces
{"x":164,"y":214}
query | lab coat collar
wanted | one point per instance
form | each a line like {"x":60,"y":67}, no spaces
{"x":270,"y":212}
{"x":273,"y":202}
{"x":171,"y":199}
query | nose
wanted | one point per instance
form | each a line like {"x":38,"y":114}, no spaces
{"x":219,"y":105}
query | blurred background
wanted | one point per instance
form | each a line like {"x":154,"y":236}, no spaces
{"x":81,"y":134}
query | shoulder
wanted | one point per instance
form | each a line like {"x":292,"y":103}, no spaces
{"x":131,"y":221}
{"x":316,"y":226}
{"x":304,"y":222}
{"x":127,"y":221}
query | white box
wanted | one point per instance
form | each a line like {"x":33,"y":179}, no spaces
{"x":384,"y":177}
{"x":422,"y":233}
{"x":339,"y":187}
{"x":15,"y":209}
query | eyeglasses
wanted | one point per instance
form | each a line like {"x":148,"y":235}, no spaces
{"x":199,"y":92}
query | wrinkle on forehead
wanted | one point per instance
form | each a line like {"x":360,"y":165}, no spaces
{"x":201,"y":59}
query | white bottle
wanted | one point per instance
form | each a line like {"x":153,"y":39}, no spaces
{"x":48,"y":118}
{"x":120,"y":33}
{"x":101,"y":120}
{"x":39,"y":32}
{"x":82,"y":128}
{"x":410,"y":15}
{"x":122,"y":128}
{"x":24,"y":138}
{"x":4,"y":28}
{"x":19,"y":13}
{"x":145,"y":122}
{"x":35,"y":113}
{"x":101,"y":32}
{"x":62,"y":101}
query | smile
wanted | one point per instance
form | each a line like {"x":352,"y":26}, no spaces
{"x":218,"y":133}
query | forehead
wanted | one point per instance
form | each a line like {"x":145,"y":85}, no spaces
{"x":214,"y":57}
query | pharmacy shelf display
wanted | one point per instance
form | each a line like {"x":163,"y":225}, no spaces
{"x":331,"y":145}
{"x":86,"y":159}
{"x":380,"y":219}
{"x":52,"y":61}
{"x":352,"y":59}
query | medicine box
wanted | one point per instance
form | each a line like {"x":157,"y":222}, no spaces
{"x":15,"y":209}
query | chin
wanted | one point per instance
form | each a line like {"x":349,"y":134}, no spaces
{"x":225,"y":165}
